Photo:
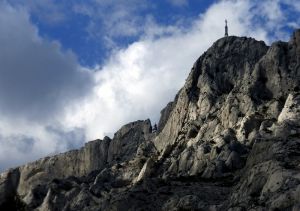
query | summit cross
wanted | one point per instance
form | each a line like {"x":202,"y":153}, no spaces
{"x":226,"y":29}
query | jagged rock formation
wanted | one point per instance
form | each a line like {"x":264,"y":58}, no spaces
{"x":230,"y":140}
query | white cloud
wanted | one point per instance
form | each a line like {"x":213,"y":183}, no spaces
{"x":112,"y":19}
{"x":135,"y":83}
{"x":22,"y":141}
{"x":44,"y":79}
{"x":138,"y":81}
{"x":37,"y":82}
{"x":295,"y":5}
{"x":46,"y":10}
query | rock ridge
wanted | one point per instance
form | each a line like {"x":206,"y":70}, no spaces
{"x":230,"y":140}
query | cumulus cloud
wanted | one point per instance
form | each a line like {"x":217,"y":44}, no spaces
{"x":139,"y":80}
{"x":21,"y":144}
{"x":112,"y":19}
{"x":136,"y":82}
{"x":38,"y":80}
{"x":295,"y":5}
{"x":37,"y":77}
{"x":46,"y":10}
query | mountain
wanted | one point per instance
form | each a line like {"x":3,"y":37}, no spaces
{"x":230,"y":140}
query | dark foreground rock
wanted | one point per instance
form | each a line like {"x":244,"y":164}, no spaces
{"x":230,"y":140}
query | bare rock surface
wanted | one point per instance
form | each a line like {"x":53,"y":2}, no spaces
{"x":230,"y":140}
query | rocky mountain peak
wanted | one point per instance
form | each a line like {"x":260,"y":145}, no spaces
{"x":230,"y":140}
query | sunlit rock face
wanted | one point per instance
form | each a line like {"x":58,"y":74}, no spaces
{"x":230,"y":140}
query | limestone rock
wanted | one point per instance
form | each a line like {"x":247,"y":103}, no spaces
{"x":127,"y":140}
{"x":230,"y":140}
{"x":164,"y":116}
{"x":8,"y":185}
{"x":291,"y":109}
{"x":74,"y":163}
{"x":146,"y":170}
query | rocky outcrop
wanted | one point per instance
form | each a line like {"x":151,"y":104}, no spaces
{"x":30,"y":182}
{"x":127,"y":140}
{"x":291,"y":109}
{"x":230,"y":140}
{"x":76,"y":163}
{"x":216,"y":83}
{"x":164,"y":116}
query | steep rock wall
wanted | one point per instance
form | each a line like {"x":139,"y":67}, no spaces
{"x":229,"y":141}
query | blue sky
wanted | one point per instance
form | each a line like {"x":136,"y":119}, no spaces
{"x":76,"y":70}
{"x":78,"y":26}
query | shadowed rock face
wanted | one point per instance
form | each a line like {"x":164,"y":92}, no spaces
{"x":164,"y":116}
{"x":230,"y":140}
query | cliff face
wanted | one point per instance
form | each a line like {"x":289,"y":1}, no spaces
{"x":229,"y":141}
{"x":31,"y":181}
